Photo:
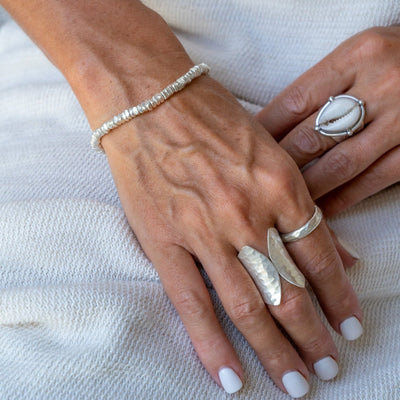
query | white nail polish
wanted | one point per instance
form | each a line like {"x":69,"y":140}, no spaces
{"x":230,"y":381}
{"x":351,"y":328}
{"x":348,"y":248}
{"x":295,"y":384}
{"x":326,"y":368}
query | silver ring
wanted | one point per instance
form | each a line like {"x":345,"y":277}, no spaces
{"x":265,"y":271}
{"x":304,"y":230}
{"x":341,"y":117}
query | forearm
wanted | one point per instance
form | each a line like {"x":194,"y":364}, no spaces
{"x":120,"y":52}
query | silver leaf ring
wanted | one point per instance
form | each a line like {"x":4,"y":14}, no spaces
{"x":267,"y":271}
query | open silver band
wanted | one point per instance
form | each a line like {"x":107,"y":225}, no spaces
{"x":304,"y":230}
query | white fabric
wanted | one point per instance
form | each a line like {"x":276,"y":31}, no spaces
{"x":82,"y":312}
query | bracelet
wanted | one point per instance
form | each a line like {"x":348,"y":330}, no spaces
{"x":147,"y":105}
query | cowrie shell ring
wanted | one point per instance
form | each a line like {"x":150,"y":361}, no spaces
{"x":341,"y":117}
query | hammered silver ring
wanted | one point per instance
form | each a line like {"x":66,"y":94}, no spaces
{"x":341,"y":117}
{"x":304,"y":230}
{"x":267,"y":271}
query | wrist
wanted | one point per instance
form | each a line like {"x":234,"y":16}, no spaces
{"x":113,"y":54}
{"x":105,"y":90}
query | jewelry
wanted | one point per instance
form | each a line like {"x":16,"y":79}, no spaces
{"x":282,"y":261}
{"x":265,"y":271}
{"x":341,"y":117}
{"x":304,"y":230}
{"x":147,"y":105}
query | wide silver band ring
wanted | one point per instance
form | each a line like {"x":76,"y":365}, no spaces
{"x":341,"y":117}
{"x":304,"y":230}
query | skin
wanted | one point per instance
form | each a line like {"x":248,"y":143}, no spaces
{"x":194,"y":187}
{"x":348,"y":172}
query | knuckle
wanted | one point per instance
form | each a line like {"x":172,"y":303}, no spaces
{"x":339,"y":165}
{"x":248,"y":312}
{"x":317,"y":344}
{"x":374,"y":179}
{"x":392,"y":78}
{"x":190,"y":306}
{"x":276,"y":355}
{"x":294,"y":308}
{"x":372,"y":43}
{"x":296,"y":101}
{"x":208,"y":345}
{"x":323,"y":265}
{"x":307,"y":142}
{"x":289,"y":187}
{"x":344,"y":300}
{"x":283,"y":181}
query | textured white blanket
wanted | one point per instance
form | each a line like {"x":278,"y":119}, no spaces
{"x":82,"y":312}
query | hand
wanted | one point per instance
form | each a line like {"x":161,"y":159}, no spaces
{"x":367,"y":66}
{"x":194,"y":187}
{"x":198,"y":178}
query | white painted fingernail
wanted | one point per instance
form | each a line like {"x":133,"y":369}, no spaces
{"x":295,"y":384}
{"x":230,"y":381}
{"x":351,"y":328}
{"x":350,"y":249}
{"x":326,"y":368}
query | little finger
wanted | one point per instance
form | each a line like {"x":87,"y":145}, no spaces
{"x":317,"y":258}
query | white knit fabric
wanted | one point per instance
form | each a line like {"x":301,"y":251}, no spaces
{"x":82,"y":312}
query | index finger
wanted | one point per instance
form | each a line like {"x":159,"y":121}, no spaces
{"x":331,"y":76}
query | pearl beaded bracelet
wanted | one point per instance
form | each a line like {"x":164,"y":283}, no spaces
{"x":147,"y":105}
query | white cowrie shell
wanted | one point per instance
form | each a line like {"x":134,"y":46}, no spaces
{"x":342,"y":115}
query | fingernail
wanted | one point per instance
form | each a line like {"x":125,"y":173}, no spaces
{"x":351,"y":328}
{"x":348,"y":248}
{"x":295,"y":384}
{"x":230,"y":381}
{"x":326,"y":368}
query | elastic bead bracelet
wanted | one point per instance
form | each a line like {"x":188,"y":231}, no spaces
{"x":147,"y":105}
